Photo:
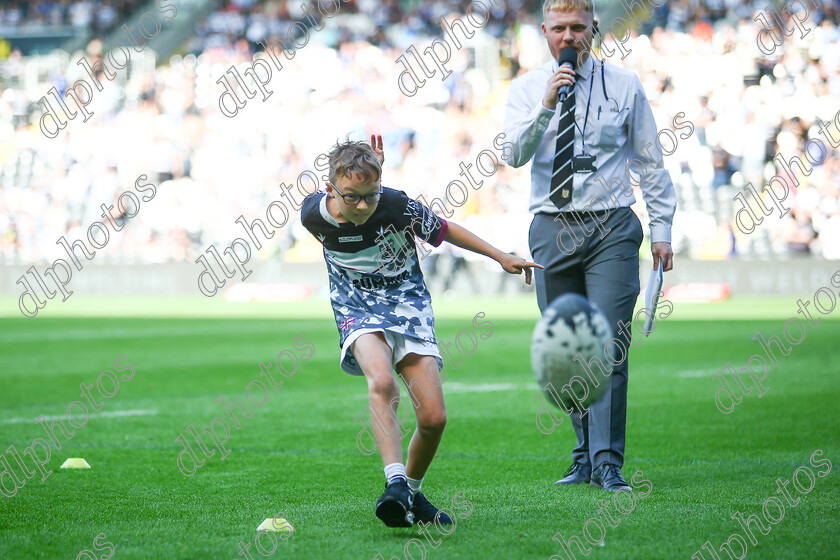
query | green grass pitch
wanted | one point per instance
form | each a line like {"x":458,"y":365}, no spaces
{"x":298,"y":455}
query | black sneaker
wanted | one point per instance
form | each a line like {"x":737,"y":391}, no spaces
{"x":424,"y":511}
{"x":394,"y":505}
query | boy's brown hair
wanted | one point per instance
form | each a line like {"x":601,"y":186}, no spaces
{"x":353,"y":156}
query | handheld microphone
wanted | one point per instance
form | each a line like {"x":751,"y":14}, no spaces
{"x":569,"y":57}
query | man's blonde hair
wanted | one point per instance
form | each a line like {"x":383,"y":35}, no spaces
{"x":565,"y":5}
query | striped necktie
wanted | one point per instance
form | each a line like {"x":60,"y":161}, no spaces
{"x":561,"y":178}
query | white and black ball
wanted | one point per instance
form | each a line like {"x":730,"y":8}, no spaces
{"x":569,"y":327}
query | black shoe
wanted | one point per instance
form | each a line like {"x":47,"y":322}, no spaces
{"x":394,"y":506}
{"x":608,"y":476}
{"x":577,"y":473}
{"x":424,"y":511}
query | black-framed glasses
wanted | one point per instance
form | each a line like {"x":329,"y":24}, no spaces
{"x":354,"y":199}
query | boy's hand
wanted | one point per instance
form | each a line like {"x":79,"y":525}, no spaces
{"x":515,"y":265}
{"x":376,"y":144}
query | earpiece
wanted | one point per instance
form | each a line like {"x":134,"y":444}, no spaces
{"x":595,"y":29}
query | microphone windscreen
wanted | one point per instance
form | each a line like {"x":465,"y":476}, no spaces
{"x":568,"y":55}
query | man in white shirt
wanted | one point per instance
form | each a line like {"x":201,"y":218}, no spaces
{"x":583,"y":154}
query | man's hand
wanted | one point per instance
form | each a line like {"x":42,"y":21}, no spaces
{"x":662,"y":251}
{"x":565,"y":76}
{"x":515,"y":265}
{"x":376,"y":144}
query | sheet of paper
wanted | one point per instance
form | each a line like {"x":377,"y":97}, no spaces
{"x":652,"y":298}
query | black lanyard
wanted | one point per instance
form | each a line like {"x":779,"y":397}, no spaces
{"x":585,"y":119}
{"x":588,"y":103}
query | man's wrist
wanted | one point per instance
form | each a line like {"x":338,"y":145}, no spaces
{"x":660,"y":234}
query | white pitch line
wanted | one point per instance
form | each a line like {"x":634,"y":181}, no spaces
{"x":698,"y":372}
{"x":111,"y":414}
{"x":99,"y":333}
{"x":484,"y":387}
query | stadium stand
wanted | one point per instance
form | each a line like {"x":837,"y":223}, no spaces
{"x":697,"y":58}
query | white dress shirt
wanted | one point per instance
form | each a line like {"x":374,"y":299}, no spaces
{"x":617,"y":131}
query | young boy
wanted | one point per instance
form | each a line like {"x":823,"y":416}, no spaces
{"x":383,"y":310}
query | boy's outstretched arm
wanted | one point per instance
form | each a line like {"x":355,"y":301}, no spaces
{"x":460,"y":237}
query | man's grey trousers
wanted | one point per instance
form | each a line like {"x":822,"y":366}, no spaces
{"x":599,"y":260}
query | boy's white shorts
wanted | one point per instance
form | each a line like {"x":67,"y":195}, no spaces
{"x":401,"y":345}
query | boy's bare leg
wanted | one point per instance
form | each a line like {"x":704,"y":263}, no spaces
{"x":374,"y":357}
{"x":431,"y":412}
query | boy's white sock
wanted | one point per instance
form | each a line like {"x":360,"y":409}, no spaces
{"x":415,"y":485}
{"x":394,"y":470}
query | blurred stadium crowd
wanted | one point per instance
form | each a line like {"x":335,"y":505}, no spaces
{"x":695,"y":57}
{"x":99,"y":15}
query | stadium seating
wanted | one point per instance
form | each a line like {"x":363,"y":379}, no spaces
{"x":344,"y":81}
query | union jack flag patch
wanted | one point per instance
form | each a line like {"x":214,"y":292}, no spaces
{"x":345,"y":324}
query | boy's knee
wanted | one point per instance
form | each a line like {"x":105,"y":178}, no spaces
{"x":384,"y":385}
{"x":434,"y":422}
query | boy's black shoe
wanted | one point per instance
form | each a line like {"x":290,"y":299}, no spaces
{"x":394,"y":506}
{"x":424,"y":511}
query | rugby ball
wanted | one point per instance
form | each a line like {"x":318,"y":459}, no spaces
{"x":570,"y":327}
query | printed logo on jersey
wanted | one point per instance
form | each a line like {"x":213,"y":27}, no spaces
{"x":378,"y":283}
{"x":428,"y":220}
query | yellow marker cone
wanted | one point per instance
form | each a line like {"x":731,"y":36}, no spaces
{"x":276,"y":525}
{"x":76,"y":463}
